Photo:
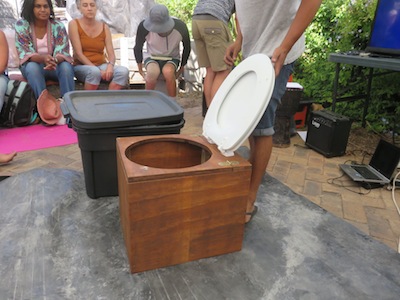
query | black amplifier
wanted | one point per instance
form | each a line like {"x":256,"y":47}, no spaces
{"x":328,"y":133}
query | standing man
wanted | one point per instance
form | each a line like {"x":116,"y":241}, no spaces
{"x":212,"y":37}
{"x":163,"y":35}
{"x":275,"y":28}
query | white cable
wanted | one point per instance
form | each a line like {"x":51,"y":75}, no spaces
{"x":395,"y":203}
{"x":393,"y":188}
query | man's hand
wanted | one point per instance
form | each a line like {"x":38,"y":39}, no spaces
{"x":278,"y":59}
{"x":141,"y":72}
{"x":179,"y":72}
{"x":232,"y":52}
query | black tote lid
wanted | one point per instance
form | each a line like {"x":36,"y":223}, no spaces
{"x":123,"y":108}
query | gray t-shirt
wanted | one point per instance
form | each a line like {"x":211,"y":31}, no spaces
{"x":221,"y":9}
{"x":264,"y":25}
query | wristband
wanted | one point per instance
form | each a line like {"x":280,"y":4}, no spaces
{"x":110,"y":63}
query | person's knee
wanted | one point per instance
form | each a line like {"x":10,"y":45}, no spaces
{"x":152,"y":77}
{"x":223,"y":73}
{"x":93,"y":76}
{"x":169,"y":72}
{"x":94,"y":72}
{"x":123,"y":72}
{"x":121,"y":76}
{"x":33,"y":69}
{"x":152,"y":72}
{"x":66,"y":69}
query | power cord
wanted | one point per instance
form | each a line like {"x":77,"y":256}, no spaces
{"x":362,"y":153}
{"x":347,"y":187}
{"x":301,"y":146}
{"x":395,"y":203}
{"x":340,"y":183}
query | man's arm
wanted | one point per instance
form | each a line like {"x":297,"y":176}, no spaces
{"x":304,"y":16}
{"x":183,"y":30}
{"x":138,"y":49}
{"x":233,"y":50}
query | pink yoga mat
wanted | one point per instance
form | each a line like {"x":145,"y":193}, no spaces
{"x":35,"y":137}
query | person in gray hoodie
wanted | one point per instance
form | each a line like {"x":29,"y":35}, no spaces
{"x":163,"y":36}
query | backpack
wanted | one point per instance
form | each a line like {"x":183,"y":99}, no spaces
{"x":19,"y":104}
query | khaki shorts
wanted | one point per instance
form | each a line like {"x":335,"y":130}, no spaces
{"x":211,"y":38}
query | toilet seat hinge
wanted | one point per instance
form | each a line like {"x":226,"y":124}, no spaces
{"x":228,"y":163}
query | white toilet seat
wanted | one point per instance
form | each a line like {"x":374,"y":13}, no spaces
{"x":239,"y":103}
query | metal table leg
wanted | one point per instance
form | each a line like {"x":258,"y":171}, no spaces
{"x":335,"y":86}
{"x":368,"y":95}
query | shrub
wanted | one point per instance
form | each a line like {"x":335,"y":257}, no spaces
{"x":182,"y":9}
{"x":343,"y":25}
{"x":339,"y":25}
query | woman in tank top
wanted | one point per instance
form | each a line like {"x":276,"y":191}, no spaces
{"x":89,"y":38}
{"x":43,"y":47}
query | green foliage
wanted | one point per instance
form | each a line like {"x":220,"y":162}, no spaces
{"x":340,"y":25}
{"x":182,"y":9}
{"x":343,"y":25}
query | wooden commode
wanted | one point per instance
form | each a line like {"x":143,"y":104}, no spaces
{"x":180,"y":199}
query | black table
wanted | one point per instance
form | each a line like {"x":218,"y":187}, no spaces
{"x":363,"y":60}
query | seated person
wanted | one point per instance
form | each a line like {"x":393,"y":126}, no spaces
{"x":163,"y":35}
{"x":4,"y":158}
{"x":3,"y":67}
{"x":89,"y":37}
{"x":43,"y":47}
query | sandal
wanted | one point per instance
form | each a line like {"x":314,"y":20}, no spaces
{"x":3,"y":177}
{"x":252,"y":213}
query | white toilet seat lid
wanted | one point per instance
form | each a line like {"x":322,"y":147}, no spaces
{"x":239,"y":103}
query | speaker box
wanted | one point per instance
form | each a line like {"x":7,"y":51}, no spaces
{"x":328,"y":133}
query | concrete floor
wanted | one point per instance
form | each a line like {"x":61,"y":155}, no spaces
{"x":303,"y":170}
{"x":57,"y":243}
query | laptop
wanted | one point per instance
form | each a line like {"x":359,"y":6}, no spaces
{"x":385,"y":29}
{"x":380,"y":169}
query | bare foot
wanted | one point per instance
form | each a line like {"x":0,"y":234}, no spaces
{"x":5,"y":158}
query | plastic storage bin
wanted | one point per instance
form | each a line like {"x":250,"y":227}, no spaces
{"x":99,"y":117}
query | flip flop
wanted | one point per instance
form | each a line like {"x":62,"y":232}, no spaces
{"x":3,"y":177}
{"x":252,"y":214}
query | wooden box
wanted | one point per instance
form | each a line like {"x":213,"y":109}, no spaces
{"x":180,"y":200}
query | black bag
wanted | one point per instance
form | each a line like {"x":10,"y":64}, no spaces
{"x":19,"y":104}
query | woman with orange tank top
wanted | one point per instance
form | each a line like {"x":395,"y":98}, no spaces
{"x":89,"y":38}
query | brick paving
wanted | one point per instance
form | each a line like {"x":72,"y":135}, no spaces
{"x":320,"y":180}
{"x":303,"y":170}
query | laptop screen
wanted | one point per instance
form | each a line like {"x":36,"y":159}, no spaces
{"x":386,"y":158}
{"x":385,"y":29}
